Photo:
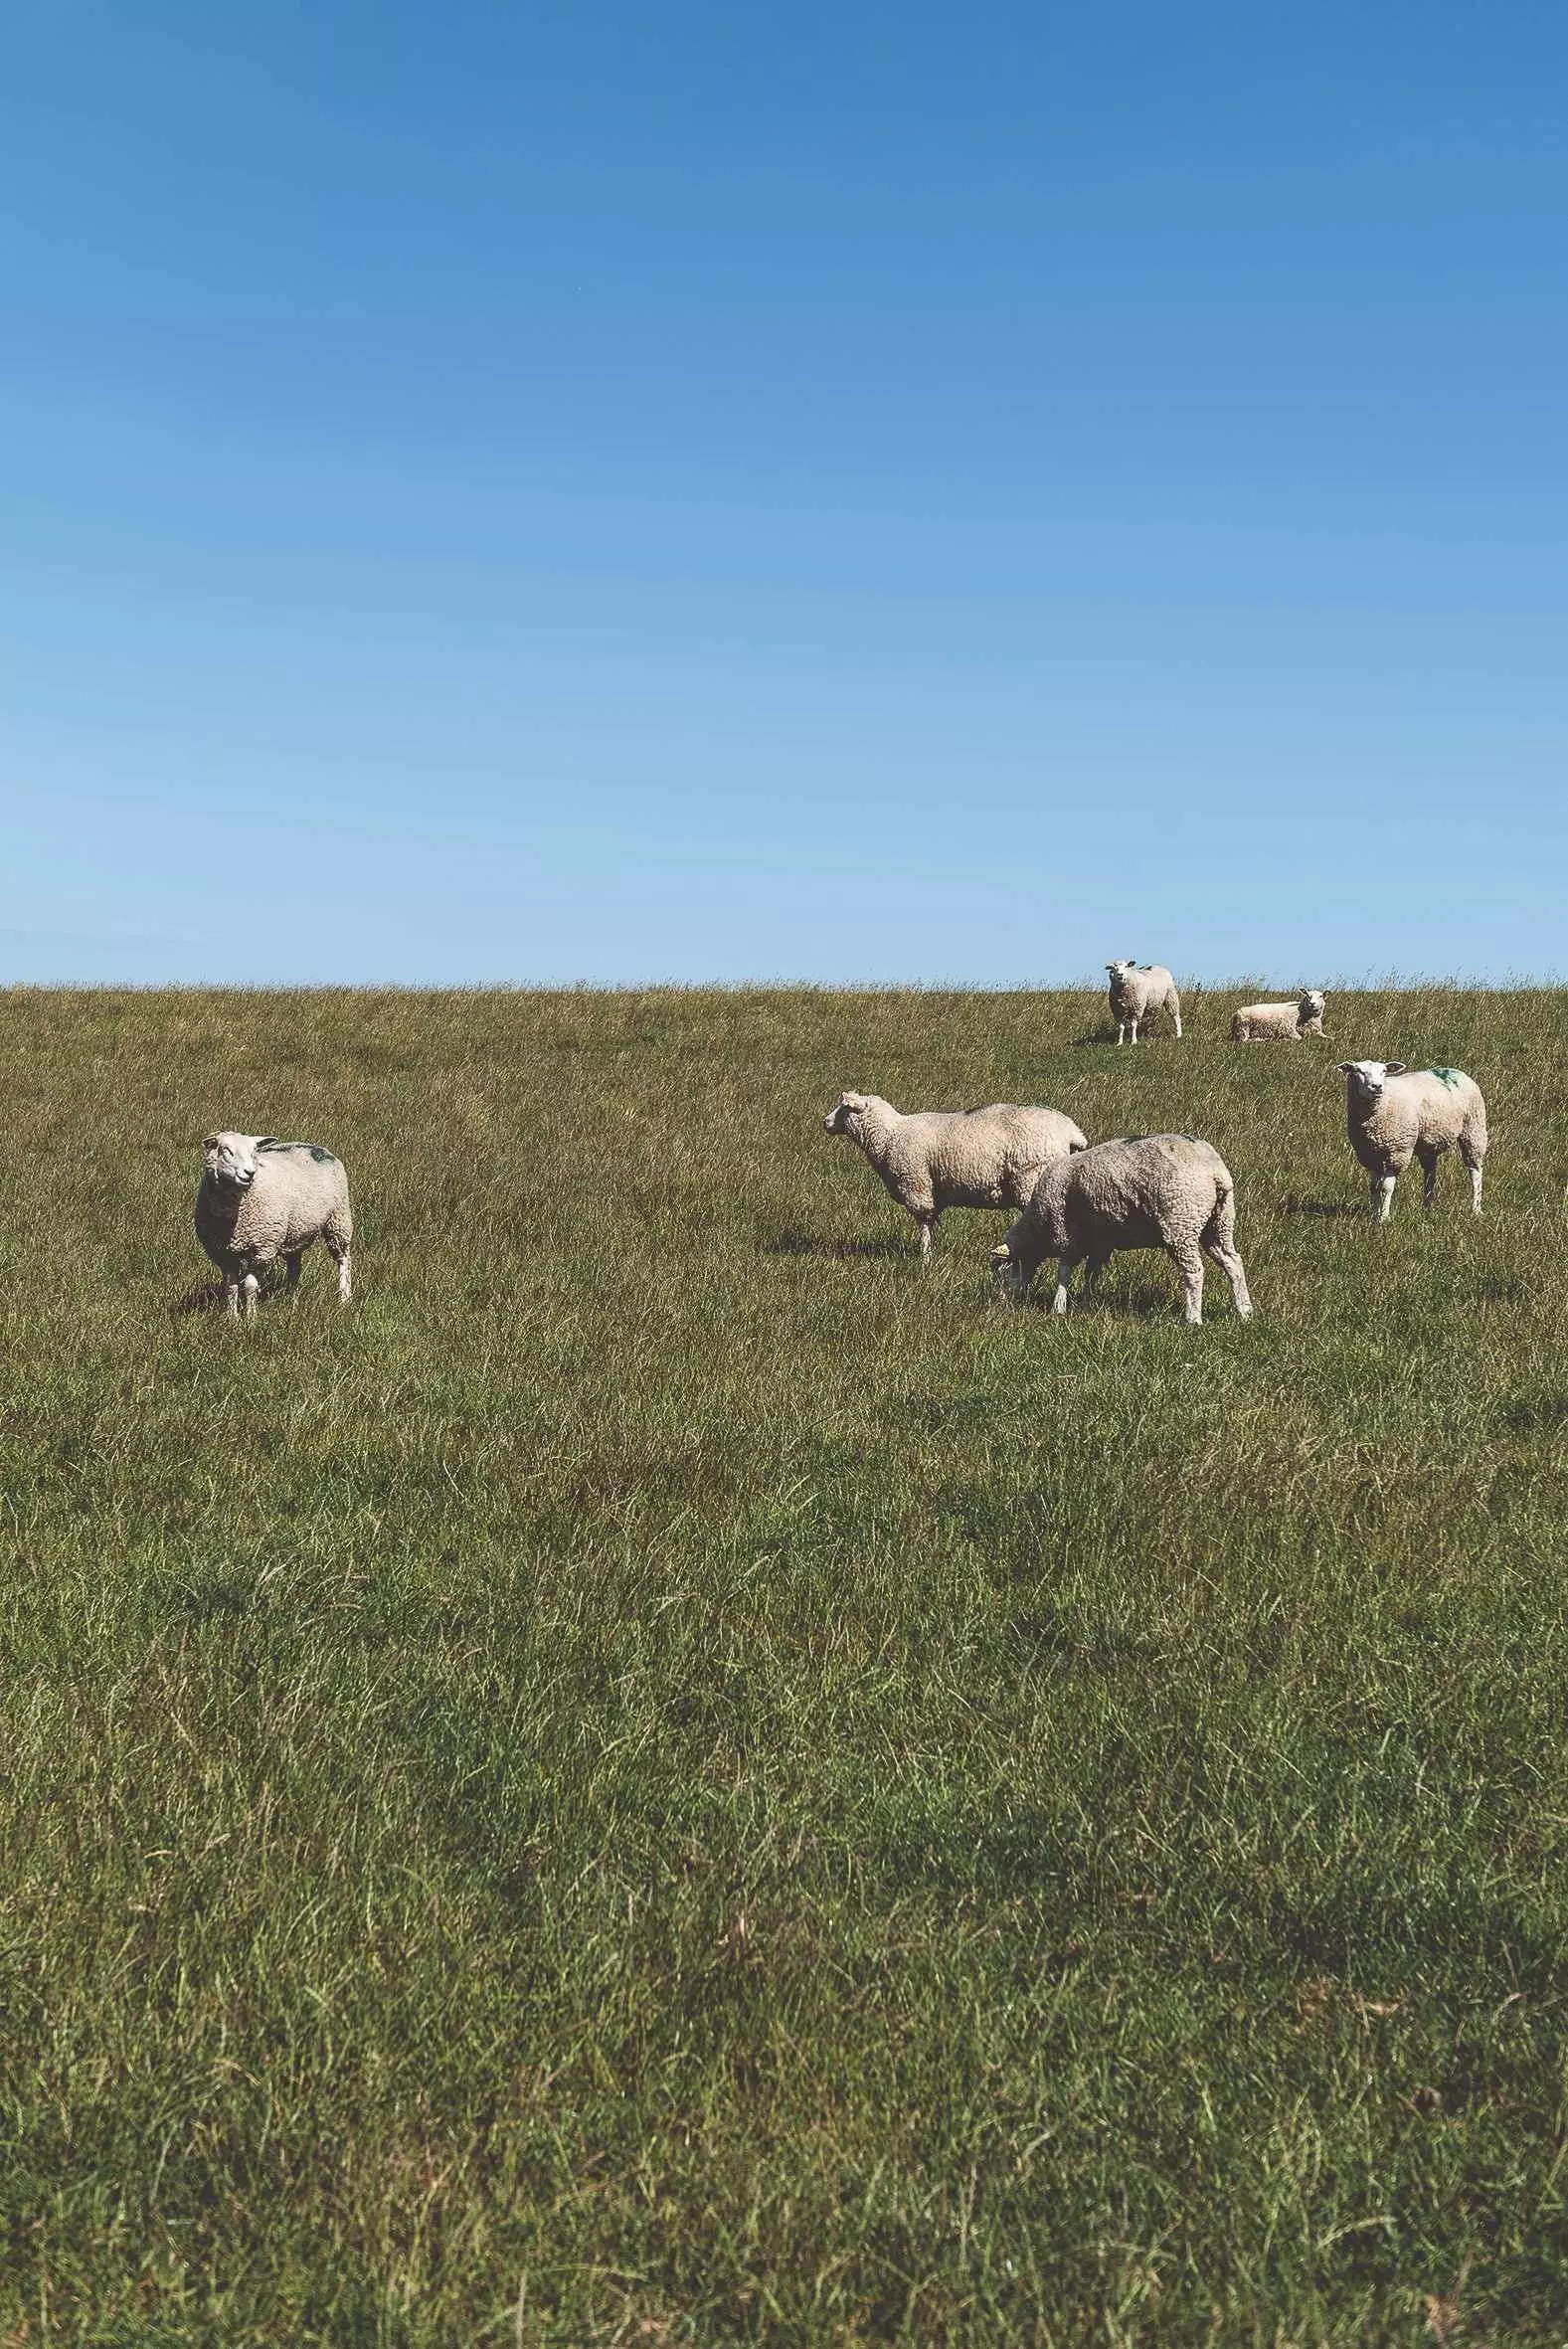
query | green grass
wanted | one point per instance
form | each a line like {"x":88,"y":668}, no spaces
{"x":668,"y":1777}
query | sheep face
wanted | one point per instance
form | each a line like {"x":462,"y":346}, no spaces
{"x":1312,"y":1002}
{"x":1366,"y":1079}
{"x":838,"y":1119}
{"x":229,"y":1159}
{"x":1117,"y":968}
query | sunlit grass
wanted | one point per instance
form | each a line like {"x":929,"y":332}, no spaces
{"x":669,"y":1776}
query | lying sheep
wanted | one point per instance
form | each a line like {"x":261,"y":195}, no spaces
{"x":1137,"y":991}
{"x":1394,"y":1114}
{"x":1146,"y":1191}
{"x":936,"y":1159}
{"x":1255,"y":1022}
{"x":260,"y":1198}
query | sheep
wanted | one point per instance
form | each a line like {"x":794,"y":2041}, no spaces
{"x":260,"y":1198}
{"x":935,"y":1159}
{"x":1394,"y":1114}
{"x":1146,"y":1190}
{"x":1137,"y":991}
{"x":1255,"y":1021}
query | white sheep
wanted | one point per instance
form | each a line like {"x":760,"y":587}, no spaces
{"x":1255,"y":1022}
{"x":260,"y":1198}
{"x":935,"y":1159}
{"x":1137,"y":991}
{"x":1146,"y":1190}
{"x":1394,"y":1114}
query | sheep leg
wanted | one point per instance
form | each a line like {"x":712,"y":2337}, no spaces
{"x":927,"y":1226}
{"x":1227,"y":1256}
{"x":1063,"y":1273}
{"x":1121,"y":1031}
{"x":1429,"y":1176}
{"x":1189,"y":1263}
{"x":1382,"y":1195}
{"x":252,"y":1290}
{"x":1176,"y":1016}
{"x":1133,"y":1025}
{"x":1089,"y":1285}
{"x":1476,"y":1162}
{"x":232,"y":1296}
{"x":345,"y":1277}
{"x":292,"y":1265}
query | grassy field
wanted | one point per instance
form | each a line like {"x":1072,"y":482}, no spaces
{"x":668,"y":1777}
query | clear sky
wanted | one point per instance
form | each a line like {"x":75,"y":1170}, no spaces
{"x":734,"y":490}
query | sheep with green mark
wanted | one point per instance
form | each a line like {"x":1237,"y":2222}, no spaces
{"x":1394,"y":1114}
{"x":260,"y":1199}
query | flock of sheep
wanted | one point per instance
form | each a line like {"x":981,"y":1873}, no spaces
{"x":262,"y":1199}
{"x":1082,"y":1202}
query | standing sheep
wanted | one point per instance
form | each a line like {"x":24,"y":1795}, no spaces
{"x":260,"y":1198}
{"x":1255,"y":1021}
{"x":1146,"y":1191}
{"x":1137,"y":991}
{"x":1394,"y":1114}
{"x":936,"y":1159}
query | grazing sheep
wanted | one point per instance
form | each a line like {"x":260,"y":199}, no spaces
{"x":1394,"y":1114}
{"x":1146,"y":1191}
{"x":1137,"y":991}
{"x":936,"y":1159}
{"x":1255,"y":1021}
{"x":260,"y":1198}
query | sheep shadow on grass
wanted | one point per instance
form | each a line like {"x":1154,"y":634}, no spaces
{"x":1138,"y":1301}
{"x":810,"y":1243}
{"x":1536,"y":1415}
{"x":208,"y":1296}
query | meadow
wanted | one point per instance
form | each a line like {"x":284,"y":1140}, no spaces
{"x":668,"y":1777}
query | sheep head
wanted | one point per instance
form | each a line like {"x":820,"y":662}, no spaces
{"x":848,"y":1107}
{"x":1365,"y":1079}
{"x":229,"y":1159}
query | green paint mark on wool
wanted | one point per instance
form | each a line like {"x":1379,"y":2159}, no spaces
{"x":1447,"y":1076}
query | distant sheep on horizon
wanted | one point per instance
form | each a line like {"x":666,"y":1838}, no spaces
{"x":1255,"y":1023}
{"x":1137,"y":991}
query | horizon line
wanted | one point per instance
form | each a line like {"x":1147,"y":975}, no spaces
{"x":1384,"y":982}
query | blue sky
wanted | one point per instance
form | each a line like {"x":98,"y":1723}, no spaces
{"x":858,"y":493}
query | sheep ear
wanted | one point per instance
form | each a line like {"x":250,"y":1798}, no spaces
{"x":1395,"y":1068}
{"x":211,"y":1142}
{"x":267,"y":1141}
{"x":1345,"y":1066}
